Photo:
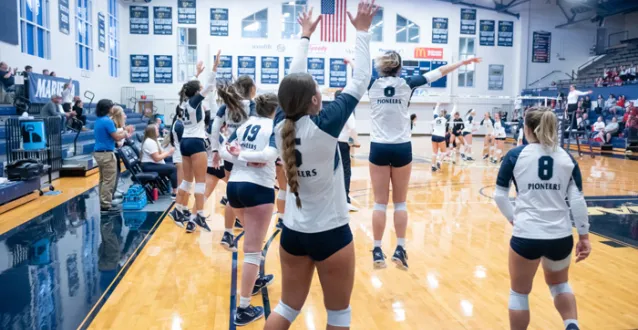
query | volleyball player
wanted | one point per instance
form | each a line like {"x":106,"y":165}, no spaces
{"x":468,"y":131}
{"x":488,"y":141}
{"x":544,"y":176}
{"x":439,"y":127}
{"x":499,"y":138}
{"x":174,"y":138}
{"x":316,"y":233}
{"x":251,"y":194}
{"x":193,"y":150}
{"x":458,"y":125}
{"x":390,"y":149}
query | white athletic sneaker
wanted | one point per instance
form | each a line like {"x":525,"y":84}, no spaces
{"x":352,"y":208}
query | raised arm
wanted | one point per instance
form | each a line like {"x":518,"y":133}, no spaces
{"x":218,"y":122}
{"x":299,"y":62}
{"x":434,"y":75}
{"x":212,"y":78}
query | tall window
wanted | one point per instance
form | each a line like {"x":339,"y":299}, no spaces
{"x":407,"y":31}
{"x":35,"y":32}
{"x":186,"y":52}
{"x":376,"y":29}
{"x":290,"y":10}
{"x":84,"y":36}
{"x":255,"y":25}
{"x":466,"y":72}
{"x":114,"y":39}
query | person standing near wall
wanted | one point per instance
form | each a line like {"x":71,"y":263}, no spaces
{"x":572,"y":103}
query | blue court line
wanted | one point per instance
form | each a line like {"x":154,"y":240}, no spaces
{"x":262,"y":272}
{"x":120,"y":275}
{"x":233,"y":287}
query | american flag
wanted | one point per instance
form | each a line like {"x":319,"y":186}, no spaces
{"x":333,"y":22}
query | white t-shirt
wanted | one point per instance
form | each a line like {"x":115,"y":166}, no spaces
{"x":572,"y":97}
{"x":599,"y":126}
{"x":67,"y":96}
{"x":438,"y":126}
{"x":150,"y":147}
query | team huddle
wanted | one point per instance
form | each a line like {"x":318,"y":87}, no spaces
{"x":290,"y":140}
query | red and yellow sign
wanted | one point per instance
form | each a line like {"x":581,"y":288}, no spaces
{"x":428,"y":52}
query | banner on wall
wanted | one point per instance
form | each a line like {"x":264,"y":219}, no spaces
{"x":439,"y":30}
{"x":42,"y":87}
{"x":338,"y":73}
{"x":428,"y":52}
{"x":269,"y":69}
{"x":468,"y":21}
{"x":139,"y":20}
{"x":317,"y":68}
{"x":441,"y":83}
{"x":505,"y":33}
{"x":486,"y":35}
{"x":140,"y":72}
{"x":186,"y":11}
{"x":287,"y":61}
{"x":412,"y":68}
{"x":101,"y":32}
{"x":495,"y":77}
{"x":541,"y":46}
{"x":163,"y":69}
{"x":163,"y":20}
{"x":219,"y":22}
{"x":225,"y":68}
{"x":246,"y":66}
{"x":63,"y":16}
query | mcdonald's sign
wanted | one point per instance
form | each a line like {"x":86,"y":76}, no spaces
{"x":428,"y":52}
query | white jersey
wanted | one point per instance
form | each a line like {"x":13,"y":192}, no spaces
{"x":257,"y":142}
{"x":439,"y":126}
{"x":224,"y":116}
{"x":499,"y":129}
{"x":542,"y":178}
{"x":389,"y":101}
{"x":489,"y":125}
{"x":194,"y":126}
{"x":469,"y":124}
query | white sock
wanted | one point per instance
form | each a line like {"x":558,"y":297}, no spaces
{"x":180,"y":207}
{"x":377,"y":243}
{"x":201,"y":213}
{"x":570,"y":321}
{"x":228,"y":230}
{"x":244,"y":302}
{"x":401,"y":242}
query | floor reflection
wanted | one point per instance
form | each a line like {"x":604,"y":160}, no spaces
{"x":615,"y":217}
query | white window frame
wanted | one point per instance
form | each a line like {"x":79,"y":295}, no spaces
{"x":376,"y":29}
{"x":290,"y":20}
{"x":84,"y":21}
{"x":466,"y":73}
{"x":262,"y":26}
{"x":45,"y":27}
{"x":186,"y":54}
{"x":403,"y":33}
{"x":114,"y":38}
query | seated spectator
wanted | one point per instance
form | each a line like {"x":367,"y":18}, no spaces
{"x":153,"y":156}
{"x":54,"y":109}
{"x":632,"y":72}
{"x":53,"y":74}
{"x":624,"y":73}
{"x":587,"y":103}
{"x":600,"y":102}
{"x":67,"y":96}
{"x":631,"y":124}
{"x":583,"y":124}
{"x":7,"y":77}
{"x":617,"y":81}
{"x":78,"y":107}
{"x":45,"y":72}
{"x":599,"y":129}
{"x":609,"y":103}
{"x":611,"y":130}
{"x":620,"y":106}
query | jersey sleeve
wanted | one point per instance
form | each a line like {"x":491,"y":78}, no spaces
{"x":299,"y":63}
{"x":506,"y":172}
{"x":416,"y":81}
{"x":252,"y":109}
{"x":334,"y":115}
{"x":268,"y":154}
{"x":356,"y":86}
{"x":196,"y":100}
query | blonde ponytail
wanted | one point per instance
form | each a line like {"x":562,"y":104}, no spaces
{"x":290,"y":159}
{"x":544,"y":124}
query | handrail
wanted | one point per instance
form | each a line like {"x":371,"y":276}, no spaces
{"x":549,"y":74}
{"x":591,"y":61}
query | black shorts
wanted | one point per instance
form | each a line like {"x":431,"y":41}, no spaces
{"x":191,"y":146}
{"x":228,"y":166}
{"x":318,"y":246}
{"x":500,"y":139}
{"x":466,"y":133}
{"x":246,"y":194}
{"x":386,"y":154}
{"x":552,"y":249}
{"x":216,"y":172}
{"x":457,"y":133}
{"x":66,"y":107}
{"x":438,"y":139}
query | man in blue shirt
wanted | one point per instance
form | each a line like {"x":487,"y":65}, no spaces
{"x":105,"y":136}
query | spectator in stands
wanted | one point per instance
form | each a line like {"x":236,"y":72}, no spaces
{"x":105,"y":137}
{"x":624,"y":73}
{"x":631,"y":125}
{"x":7,"y":77}
{"x":632,"y":72}
{"x":54,"y":108}
{"x":609,"y":103}
{"x":600,"y":103}
{"x":617,"y":81}
{"x":78,"y":107}
{"x":152,"y":157}
{"x":620,"y":106}
{"x":611,"y":130}
{"x":45,"y":72}
{"x":119,"y":118}
{"x":27,"y":69}
{"x":67,"y":96}
{"x":583,"y":124}
{"x":587,"y":103}
{"x":599,"y":129}
{"x":53,"y":74}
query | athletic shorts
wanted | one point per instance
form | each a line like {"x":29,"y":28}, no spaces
{"x":552,"y":249}
{"x":466,"y":133}
{"x":500,"y":139}
{"x":216,"y":172}
{"x":191,"y":146}
{"x":387,"y":154}
{"x":228,"y":166}
{"x":457,"y":133}
{"x":318,"y":246}
{"x":246,"y":194}
{"x":438,"y":139}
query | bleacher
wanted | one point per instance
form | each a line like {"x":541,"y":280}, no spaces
{"x":627,"y":56}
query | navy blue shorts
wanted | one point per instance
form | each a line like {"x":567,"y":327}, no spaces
{"x":191,"y":146}
{"x":438,"y":139}
{"x":246,"y":194}
{"x":552,"y":249}
{"x":216,"y":172}
{"x":386,"y":154}
{"x":466,"y":133}
{"x":318,"y":246}
{"x":228,"y":166}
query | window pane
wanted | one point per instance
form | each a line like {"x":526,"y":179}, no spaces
{"x":376,"y":28}
{"x":470,"y":46}
{"x":30,"y":11}
{"x":461,"y":79}
{"x":413,"y":34}
{"x":39,"y":12}
{"x":401,"y":22}
{"x":41,"y":43}
{"x":30,"y":39}
{"x":470,"y":79}
{"x":192,"y":36}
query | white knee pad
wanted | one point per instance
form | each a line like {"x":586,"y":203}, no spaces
{"x":557,"y":265}
{"x":186,"y":186}
{"x":340,"y":318}
{"x":518,"y":301}
{"x":286,"y":311}
{"x":400,"y":207}
{"x":499,"y":151}
{"x":380,"y":207}
{"x":560,"y":288}
{"x":281,"y":195}
{"x":253,"y":258}
{"x":200,"y":188}
{"x":492,"y":148}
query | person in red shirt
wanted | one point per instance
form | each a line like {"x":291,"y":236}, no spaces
{"x":631,"y":123}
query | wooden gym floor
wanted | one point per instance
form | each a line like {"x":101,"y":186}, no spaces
{"x":457,"y":244}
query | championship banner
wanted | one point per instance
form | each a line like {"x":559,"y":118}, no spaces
{"x":287,"y":61}
{"x":439,"y":30}
{"x":541,"y":46}
{"x":186,"y":12}
{"x":42,"y":87}
{"x":317,"y":68}
{"x":246,"y":66}
{"x":163,"y":69}
{"x":270,"y":70}
{"x":486,"y":35}
{"x":163,"y":20}
{"x":139,"y":20}
{"x":468,"y":21}
{"x":338,"y":73}
{"x":505,"y":33}
{"x":219,"y":22}
{"x":495,"y":77}
{"x":140,"y":71}
{"x":225,"y":68}
{"x":63,"y":16}
{"x":101,"y":32}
